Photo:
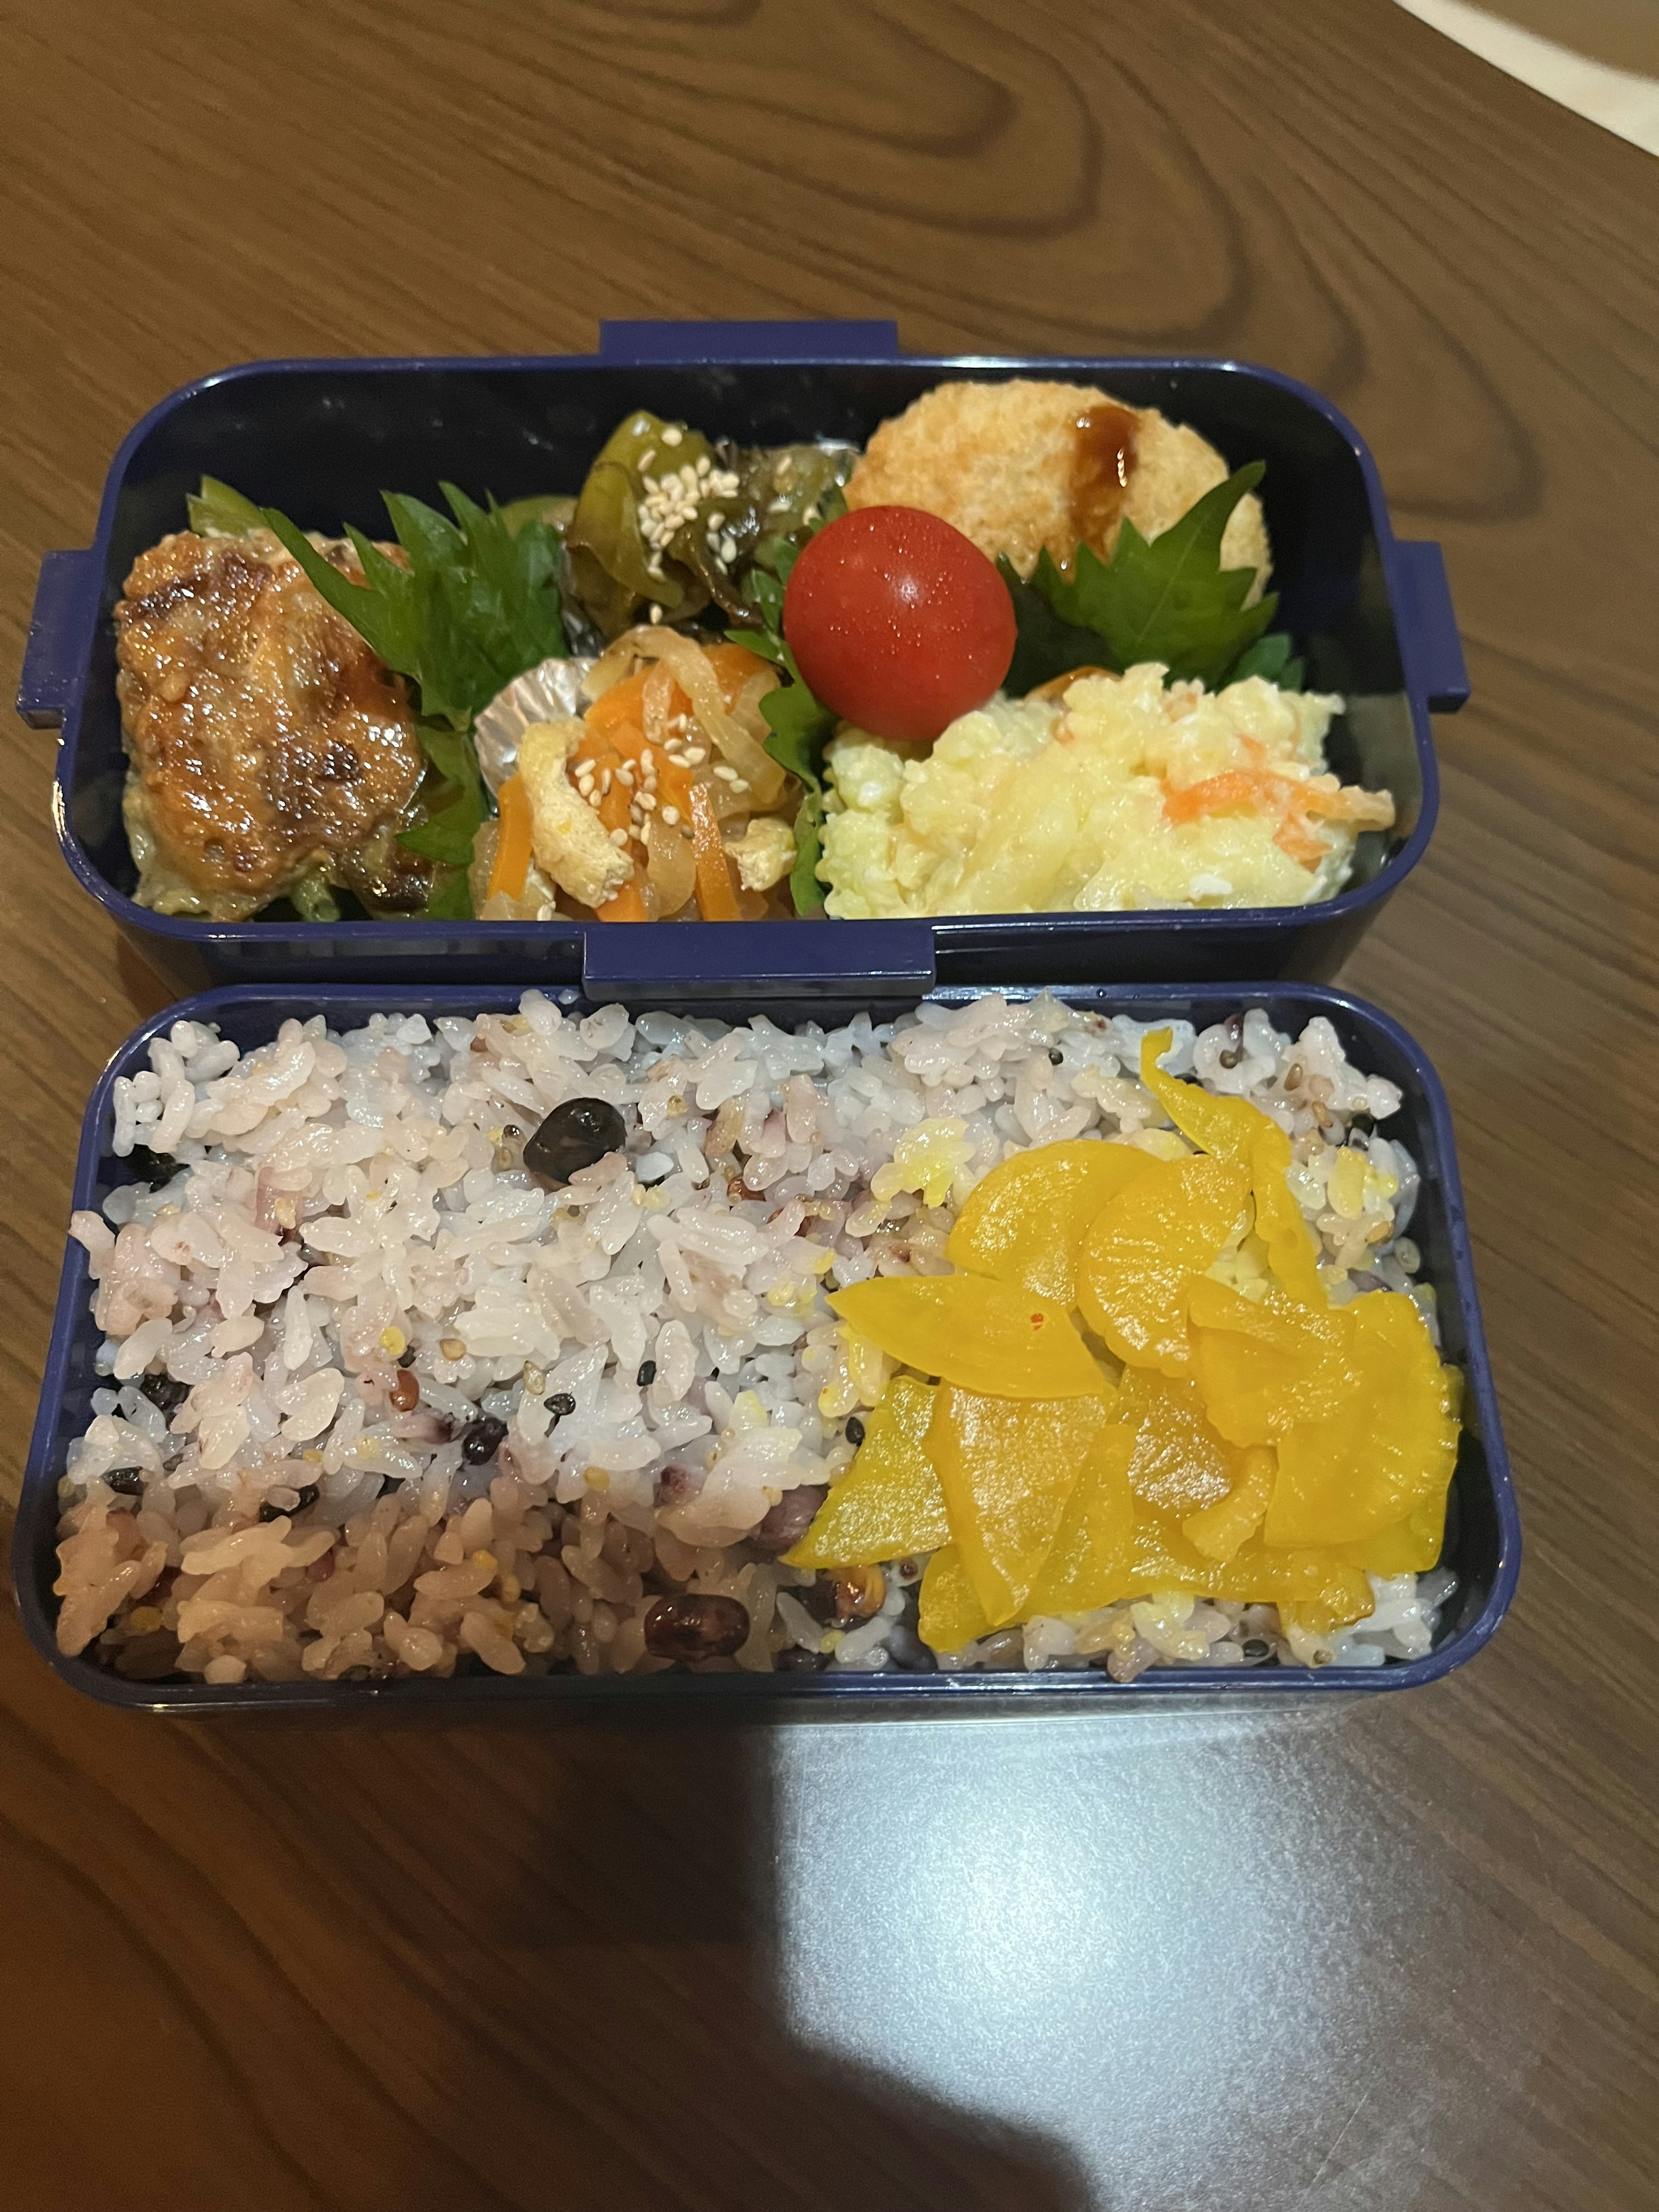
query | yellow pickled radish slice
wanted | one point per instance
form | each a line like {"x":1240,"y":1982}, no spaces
{"x":1218,"y":1530}
{"x":889,"y":1503}
{"x":1008,"y":1467}
{"x":1178,"y":1464}
{"x":1387,"y":1448}
{"x":949,"y":1615}
{"x":1146,"y":1246}
{"x":1264,"y":1363}
{"x":1158,"y":1558}
{"x":1410,"y":1547}
{"x":1224,"y":1127}
{"x":981,"y":1334}
{"x":1261,"y":1574}
{"x":1271,"y":1321}
{"x":1233,"y":1129}
{"x":1097,"y":1534}
{"x":1025,"y":1221}
{"x":1292,"y":1252}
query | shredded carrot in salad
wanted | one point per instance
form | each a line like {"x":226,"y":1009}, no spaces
{"x":1292,"y":799}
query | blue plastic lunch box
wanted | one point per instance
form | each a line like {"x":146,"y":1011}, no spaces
{"x":321,"y":439}
{"x":1483,"y":1533}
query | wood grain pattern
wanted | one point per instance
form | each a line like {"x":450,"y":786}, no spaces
{"x":271,"y":1966}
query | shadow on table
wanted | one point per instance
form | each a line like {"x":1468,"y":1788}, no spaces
{"x":625,"y":1880}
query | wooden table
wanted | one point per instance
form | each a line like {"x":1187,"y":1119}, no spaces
{"x":1400,"y":1956}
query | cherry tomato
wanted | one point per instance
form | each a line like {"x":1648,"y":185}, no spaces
{"x":897,"y":622}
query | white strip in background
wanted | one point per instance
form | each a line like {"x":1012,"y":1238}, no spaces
{"x":1618,"y":100}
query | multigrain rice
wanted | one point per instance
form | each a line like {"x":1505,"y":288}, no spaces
{"x":378,"y":1402}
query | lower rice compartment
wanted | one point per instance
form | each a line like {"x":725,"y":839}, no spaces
{"x":1481,"y":1542}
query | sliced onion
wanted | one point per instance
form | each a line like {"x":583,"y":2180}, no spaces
{"x":613,"y":665}
{"x":695,"y":677}
{"x":670,"y":865}
{"x":745,"y":708}
{"x":659,"y":703}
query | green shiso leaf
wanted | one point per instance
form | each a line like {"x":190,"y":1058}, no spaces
{"x":1167,"y":599}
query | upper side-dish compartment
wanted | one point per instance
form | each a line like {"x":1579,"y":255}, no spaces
{"x":322,"y":439}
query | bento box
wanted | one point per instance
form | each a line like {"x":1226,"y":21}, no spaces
{"x":321,"y":439}
{"x":1481,"y":1543}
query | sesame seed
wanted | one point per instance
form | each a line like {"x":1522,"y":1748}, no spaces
{"x":717,"y":520}
{"x":656,"y":613}
{"x":738,"y":786}
{"x":625,"y":774}
{"x":670,"y":815}
{"x":648,"y":758}
{"x":695,"y":756}
{"x":605,"y":784}
{"x":728,"y":549}
{"x":646,"y":457}
{"x":619,"y":837}
{"x":648,"y":801}
{"x":725,"y":774}
{"x":671,"y":436}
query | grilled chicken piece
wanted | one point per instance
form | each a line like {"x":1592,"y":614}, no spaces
{"x":267,"y":743}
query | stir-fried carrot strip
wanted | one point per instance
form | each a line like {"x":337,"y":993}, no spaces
{"x":610,"y":740}
{"x":627,"y":905}
{"x":614,"y":735}
{"x":733,"y":666}
{"x":716,"y":899}
{"x":510,"y":867}
{"x":621,"y":707}
{"x":614,"y":807}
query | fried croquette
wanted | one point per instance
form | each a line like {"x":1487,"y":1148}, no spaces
{"x":1021,"y":464}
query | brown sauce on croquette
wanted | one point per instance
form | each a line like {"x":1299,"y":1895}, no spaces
{"x":1102,"y":464}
